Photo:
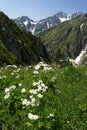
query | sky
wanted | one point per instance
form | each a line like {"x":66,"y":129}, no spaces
{"x":39,"y":9}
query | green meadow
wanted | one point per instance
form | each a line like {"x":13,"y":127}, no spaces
{"x":43,"y":97}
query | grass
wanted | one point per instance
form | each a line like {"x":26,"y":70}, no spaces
{"x":43,"y":97}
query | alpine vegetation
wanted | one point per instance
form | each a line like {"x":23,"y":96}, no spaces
{"x":53,"y":99}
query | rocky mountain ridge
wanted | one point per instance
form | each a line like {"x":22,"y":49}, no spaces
{"x":44,"y":24}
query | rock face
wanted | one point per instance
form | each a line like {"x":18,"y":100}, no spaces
{"x":67,"y":39}
{"x":19,"y":46}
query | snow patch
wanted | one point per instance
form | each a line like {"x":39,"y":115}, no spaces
{"x":64,"y":19}
{"x":79,"y":58}
{"x":48,"y":26}
{"x":33,"y":30}
{"x":32,"y":22}
{"x":25,"y":22}
{"x":81,"y":25}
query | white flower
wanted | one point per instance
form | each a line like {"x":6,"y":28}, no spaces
{"x":36,"y":67}
{"x":25,"y":102}
{"x":47,"y":68}
{"x":12,"y":73}
{"x":33,"y":100}
{"x":44,"y":90}
{"x":46,"y":87}
{"x":35,"y":84}
{"x":23,"y":90}
{"x":32,"y":117}
{"x":4,"y":76}
{"x":7,"y":95}
{"x":31,"y":96}
{"x":40,"y":95}
{"x":35,"y":72}
{"x":50,"y":115}
{"x":33,"y":104}
{"x":39,"y":87}
{"x":40,"y":81}
{"x":17,"y":76}
{"x":43,"y":85}
{"x":6,"y":90}
{"x":14,"y":66}
{"x":43,"y":64}
{"x":20,"y":84}
{"x":18,"y":70}
{"x":12,"y":87}
{"x":33,"y":91}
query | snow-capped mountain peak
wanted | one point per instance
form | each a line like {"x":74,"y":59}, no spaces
{"x":44,"y":24}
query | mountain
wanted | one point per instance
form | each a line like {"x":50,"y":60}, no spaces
{"x":17,"y":45}
{"x":67,"y":40}
{"x":44,"y":24}
{"x":76,"y":14}
{"x":26,"y":23}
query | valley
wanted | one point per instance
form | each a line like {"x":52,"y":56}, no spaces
{"x":43,"y":76}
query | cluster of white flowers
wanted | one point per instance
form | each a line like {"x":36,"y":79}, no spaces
{"x":3,"y":77}
{"x":46,"y":67}
{"x":40,"y":87}
{"x":37,"y":83}
{"x":23,"y":90}
{"x":32,"y":116}
{"x":12,"y":87}
{"x":33,"y":91}
{"x":15,"y":71}
{"x":12,"y":73}
{"x":40,"y":95}
{"x":25,"y":102}
{"x":10,"y":66}
{"x":7,"y":95}
{"x":7,"y":91}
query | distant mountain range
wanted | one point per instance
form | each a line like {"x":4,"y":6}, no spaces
{"x":44,"y":24}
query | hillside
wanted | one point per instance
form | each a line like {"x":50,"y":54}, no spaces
{"x":67,"y":39}
{"x":18,"y":46}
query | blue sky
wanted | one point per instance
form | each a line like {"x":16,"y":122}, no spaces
{"x":38,"y":9}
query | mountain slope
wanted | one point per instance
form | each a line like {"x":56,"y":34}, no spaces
{"x":66,"y":39}
{"x":44,"y":24}
{"x":18,"y":45}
